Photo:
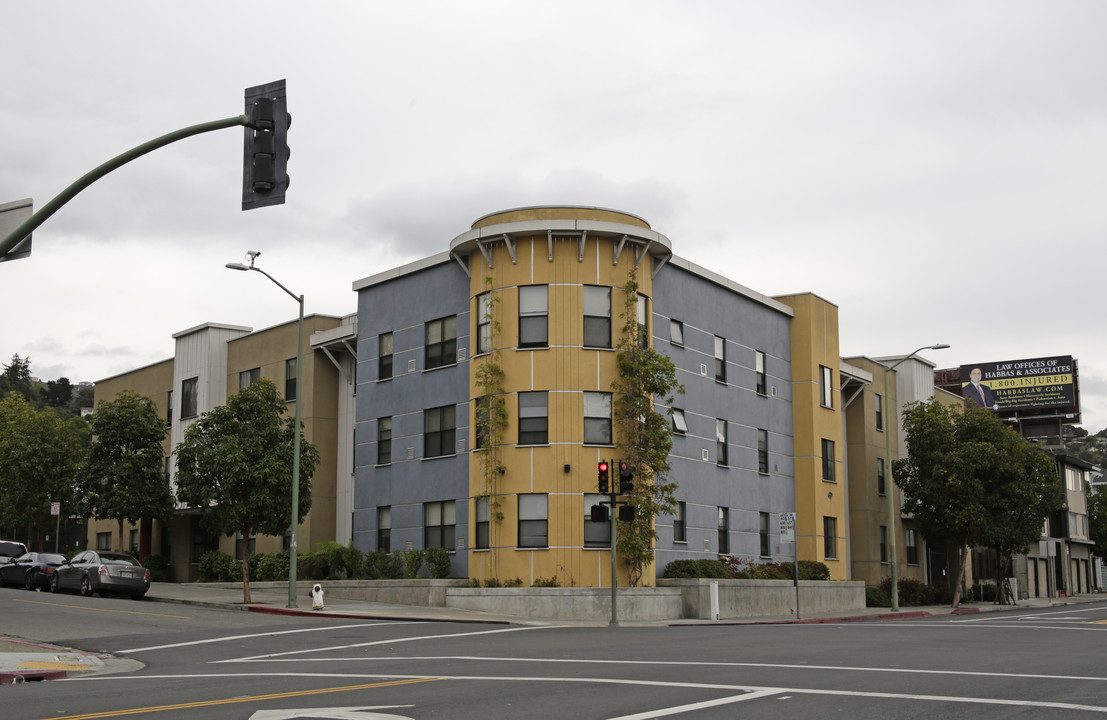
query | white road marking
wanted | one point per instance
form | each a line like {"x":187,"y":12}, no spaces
{"x":779,"y":666}
{"x":747,"y":691}
{"x":1038,"y":615}
{"x":264,"y":634}
{"x":392,"y":641}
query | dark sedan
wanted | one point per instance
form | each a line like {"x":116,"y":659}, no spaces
{"x":31,"y":570}
{"x":108,"y":573}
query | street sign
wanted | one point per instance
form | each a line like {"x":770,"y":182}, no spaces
{"x":55,"y":508}
{"x":787,"y":527}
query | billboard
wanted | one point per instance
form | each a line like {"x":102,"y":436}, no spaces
{"x":1036,"y":384}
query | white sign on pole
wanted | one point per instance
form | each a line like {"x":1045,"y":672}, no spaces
{"x":787,"y":527}
{"x":55,"y":508}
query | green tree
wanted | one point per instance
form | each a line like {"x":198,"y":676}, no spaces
{"x":235,"y":464}
{"x":17,"y":378}
{"x":124,"y":478}
{"x":39,"y":453}
{"x":1097,"y":520}
{"x":643,"y":434}
{"x":58,"y":394}
{"x":971,"y":481}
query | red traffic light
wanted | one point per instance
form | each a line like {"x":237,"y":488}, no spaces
{"x":604,"y":477}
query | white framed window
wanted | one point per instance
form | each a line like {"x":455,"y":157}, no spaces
{"x":759,"y":372}
{"x":439,"y":524}
{"x":483,"y":526}
{"x":439,"y":431}
{"x":680,"y":424}
{"x":597,"y":418}
{"x":533,"y":521}
{"x":484,"y":323}
{"x":534,"y":418}
{"x":441,"y":342}
{"x":597,"y":316}
{"x":721,"y":455}
{"x":189,"y":397}
{"x":720,"y":359}
{"x":534,"y":316}
{"x":246,"y":378}
{"x":826,"y":386}
{"x":676,"y":332}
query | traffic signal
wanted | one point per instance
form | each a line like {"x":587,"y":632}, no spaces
{"x":626,"y":513}
{"x":265,"y":147}
{"x":626,"y":477}
{"x":604,"y":477}
{"x":599,"y":513}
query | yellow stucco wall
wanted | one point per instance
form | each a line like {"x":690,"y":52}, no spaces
{"x":565,"y":370}
{"x":814,"y":344}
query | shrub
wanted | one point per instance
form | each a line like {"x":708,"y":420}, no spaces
{"x":379,"y":565}
{"x":546,"y":582}
{"x":877,"y":596}
{"x":913,"y":593}
{"x":270,"y":567}
{"x":703,"y":568}
{"x":514,"y":582}
{"x":158,"y":565}
{"x":412,"y":562}
{"x":218,"y":566}
{"x":438,"y":562}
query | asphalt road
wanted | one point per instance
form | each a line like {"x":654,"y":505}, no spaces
{"x":215,"y":664}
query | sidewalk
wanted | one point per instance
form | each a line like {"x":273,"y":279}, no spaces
{"x":24,"y":660}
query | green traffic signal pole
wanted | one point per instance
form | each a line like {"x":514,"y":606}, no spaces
{"x":36,"y":219}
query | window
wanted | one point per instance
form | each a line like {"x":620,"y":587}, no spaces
{"x":384,"y":357}
{"x":597,"y":316}
{"x":441,"y":343}
{"x":439,"y":426}
{"x":169,"y":409}
{"x":676,"y":332}
{"x":680,"y":533}
{"x":883,"y":544}
{"x":103,"y":541}
{"x":533,"y":418}
{"x":830,"y":537}
{"x":881,"y":488}
{"x":438,"y":525}
{"x":912,"y":548}
{"x":239,"y":544}
{"x":724,"y":531}
{"x":828,"y":460}
{"x":384,"y":529}
{"x":189,"y":399}
{"x":533,"y":530}
{"x":763,"y":451}
{"x":384,"y":441}
{"x":134,"y":543}
{"x":202,"y":541}
{"x":643,"y":322}
{"x":597,"y":418}
{"x":764,"y":532}
{"x":826,"y":387}
{"x":482,"y":421}
{"x":484,"y":323}
{"x":290,"y":379}
{"x":680,"y":425}
{"x":879,"y":403}
{"x":533,"y":315}
{"x":720,"y":442}
{"x":483,"y":526}
{"x":759,"y":371}
{"x":596,"y":534}
{"x":246,"y":378}
{"x":720,"y":359}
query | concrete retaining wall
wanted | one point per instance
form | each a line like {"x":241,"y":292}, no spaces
{"x":671,"y":600}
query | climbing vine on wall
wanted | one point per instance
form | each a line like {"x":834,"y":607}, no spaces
{"x":491,"y":411}
{"x":644,"y":435}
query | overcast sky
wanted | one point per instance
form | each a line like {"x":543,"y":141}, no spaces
{"x":935,"y":169}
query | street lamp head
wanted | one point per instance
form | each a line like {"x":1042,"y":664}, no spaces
{"x":237,"y":266}
{"x":939,"y":346}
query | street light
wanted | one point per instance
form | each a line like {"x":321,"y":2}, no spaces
{"x":252,"y":255}
{"x":890,"y":483}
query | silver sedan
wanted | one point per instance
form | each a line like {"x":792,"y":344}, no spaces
{"x":96,"y":571}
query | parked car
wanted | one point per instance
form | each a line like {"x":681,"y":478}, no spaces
{"x":31,"y":570}
{"x":97,"y":571}
{"x":11,"y":549}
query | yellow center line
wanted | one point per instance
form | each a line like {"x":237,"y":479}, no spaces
{"x":230,"y":701}
{"x":122,"y":612}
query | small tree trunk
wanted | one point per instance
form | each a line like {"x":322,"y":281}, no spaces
{"x":962,"y":561}
{"x":120,"y":523}
{"x":246,"y":566}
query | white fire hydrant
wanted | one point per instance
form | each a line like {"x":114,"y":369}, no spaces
{"x":316,"y":597}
